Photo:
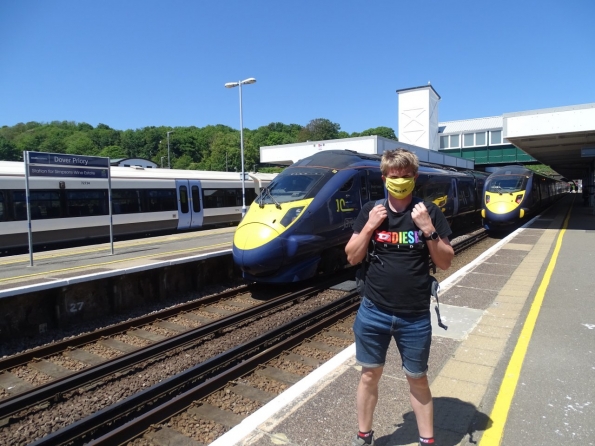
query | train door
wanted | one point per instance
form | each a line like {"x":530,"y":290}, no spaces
{"x":184,"y":214}
{"x":196,"y":204}
{"x":363,"y":188}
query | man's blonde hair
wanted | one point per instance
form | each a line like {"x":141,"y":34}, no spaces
{"x":398,"y":159}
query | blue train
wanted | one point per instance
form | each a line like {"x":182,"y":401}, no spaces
{"x":299,"y":225}
{"x":513,"y":193}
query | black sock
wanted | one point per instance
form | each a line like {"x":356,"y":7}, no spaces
{"x":423,"y":440}
{"x":366,"y":436}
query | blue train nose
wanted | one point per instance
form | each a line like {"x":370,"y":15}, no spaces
{"x":257,"y":249}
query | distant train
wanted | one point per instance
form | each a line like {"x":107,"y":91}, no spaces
{"x":513,"y":193}
{"x":298,"y":227}
{"x":144,"y":201}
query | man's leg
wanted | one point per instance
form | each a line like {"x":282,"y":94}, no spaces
{"x":367,"y":397}
{"x":422,"y":404}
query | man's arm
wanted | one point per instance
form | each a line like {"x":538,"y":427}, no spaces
{"x":358,"y":243}
{"x":441,"y":251}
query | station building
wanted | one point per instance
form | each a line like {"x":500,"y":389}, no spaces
{"x":562,"y":138}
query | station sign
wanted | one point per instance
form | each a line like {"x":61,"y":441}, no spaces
{"x":588,"y":152}
{"x":64,"y":165}
{"x":71,"y":172}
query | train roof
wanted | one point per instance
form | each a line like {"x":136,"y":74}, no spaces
{"x":17,"y":168}
{"x":521,"y":170}
{"x":341,"y":159}
{"x":337,"y":159}
{"x":514,"y":169}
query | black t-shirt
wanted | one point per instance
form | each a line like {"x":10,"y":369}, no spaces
{"x":399,"y":278}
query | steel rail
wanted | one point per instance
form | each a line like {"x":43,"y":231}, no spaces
{"x":57,"y":347}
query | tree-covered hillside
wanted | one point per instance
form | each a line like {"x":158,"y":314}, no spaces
{"x":214,"y":147}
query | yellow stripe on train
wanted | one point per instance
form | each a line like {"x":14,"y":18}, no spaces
{"x":261,"y":225}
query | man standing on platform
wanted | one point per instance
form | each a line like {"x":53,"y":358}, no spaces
{"x":404,"y":233}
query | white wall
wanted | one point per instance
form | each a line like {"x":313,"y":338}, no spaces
{"x":550,"y":121}
{"x":418,"y":117}
{"x":290,"y":153}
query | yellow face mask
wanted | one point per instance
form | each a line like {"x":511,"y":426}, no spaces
{"x":400,"y":187}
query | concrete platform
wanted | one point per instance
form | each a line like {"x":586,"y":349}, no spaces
{"x":72,"y":285}
{"x":516,"y":365}
{"x":62,"y":267}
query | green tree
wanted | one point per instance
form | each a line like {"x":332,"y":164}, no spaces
{"x":319,"y":129}
{"x":385,"y":132}
{"x":8,"y":151}
{"x":182,"y":162}
{"x":80,"y":143}
{"x":113,"y":152}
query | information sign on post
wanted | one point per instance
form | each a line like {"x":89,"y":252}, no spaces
{"x":60,"y":165}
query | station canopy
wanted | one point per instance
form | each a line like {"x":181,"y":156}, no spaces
{"x":557,"y":137}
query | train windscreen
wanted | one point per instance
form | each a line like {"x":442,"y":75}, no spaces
{"x":296,"y":183}
{"x":506,"y":183}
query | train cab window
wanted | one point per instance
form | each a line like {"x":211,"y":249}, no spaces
{"x":159,"y":200}
{"x":296,"y":183}
{"x":184,"y":206}
{"x":195,"y":199}
{"x":347,"y":186}
{"x":86,"y":203}
{"x":126,"y":201}
{"x":506,"y":183}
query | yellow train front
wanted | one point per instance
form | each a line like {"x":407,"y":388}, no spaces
{"x":513,"y":193}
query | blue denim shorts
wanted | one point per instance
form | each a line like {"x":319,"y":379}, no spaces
{"x":374,"y":327}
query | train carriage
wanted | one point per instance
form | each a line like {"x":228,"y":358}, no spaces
{"x":144,"y":201}
{"x":514,"y":193}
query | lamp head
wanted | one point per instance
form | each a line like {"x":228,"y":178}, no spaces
{"x":250,"y":80}
{"x":231,"y":84}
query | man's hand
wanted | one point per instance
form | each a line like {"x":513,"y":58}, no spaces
{"x":422,"y":219}
{"x":377,"y":216}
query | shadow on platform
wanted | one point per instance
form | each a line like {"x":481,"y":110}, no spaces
{"x":453,"y":421}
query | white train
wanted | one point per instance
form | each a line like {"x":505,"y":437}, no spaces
{"x":144,"y":201}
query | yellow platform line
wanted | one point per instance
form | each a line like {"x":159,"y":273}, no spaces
{"x":499,"y":415}
{"x":48,"y":273}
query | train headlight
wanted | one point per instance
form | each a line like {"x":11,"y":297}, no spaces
{"x":487,"y":199}
{"x":291,"y":215}
{"x":518,"y":199}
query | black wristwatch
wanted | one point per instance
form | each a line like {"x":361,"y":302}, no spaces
{"x":433,"y":236}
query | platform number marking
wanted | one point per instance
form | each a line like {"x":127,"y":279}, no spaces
{"x":75,"y":307}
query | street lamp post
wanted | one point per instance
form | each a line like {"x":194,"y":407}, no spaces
{"x":162,"y":161}
{"x":168,"y":157}
{"x":250,"y":80}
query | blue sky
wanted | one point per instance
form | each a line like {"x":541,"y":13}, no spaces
{"x":136,"y":63}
